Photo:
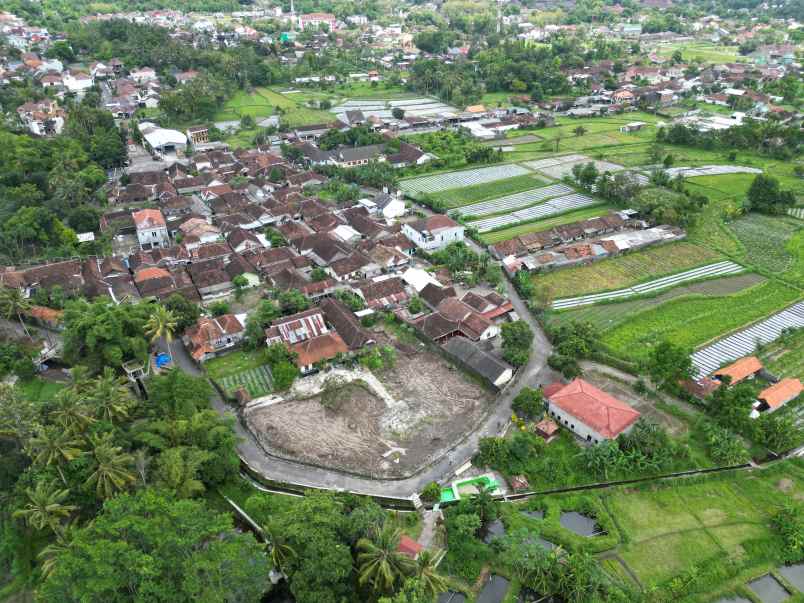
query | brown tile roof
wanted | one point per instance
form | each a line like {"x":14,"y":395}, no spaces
{"x":323,"y":347}
{"x":345,"y":323}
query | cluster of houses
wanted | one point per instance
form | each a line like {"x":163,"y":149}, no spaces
{"x":768,"y":400}
{"x":186,"y":230}
{"x":581,"y":242}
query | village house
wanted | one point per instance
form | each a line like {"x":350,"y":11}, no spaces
{"x":590,"y":413}
{"x":151,"y":228}
{"x":42,"y":118}
{"x":467,"y":353}
{"x":434,"y":232}
{"x":212,"y":335}
{"x":777,"y":395}
{"x":742,"y":369}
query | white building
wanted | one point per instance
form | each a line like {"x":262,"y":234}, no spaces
{"x":434,"y":232}
{"x":151,"y":228}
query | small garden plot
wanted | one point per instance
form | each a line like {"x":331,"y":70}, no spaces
{"x":765,"y":240}
{"x":515,"y":201}
{"x":610,"y":315}
{"x":625,"y":270}
{"x":257,"y":381}
{"x":690,"y":322}
{"x":491,"y":190}
{"x":711,"y":170}
{"x":460,"y":179}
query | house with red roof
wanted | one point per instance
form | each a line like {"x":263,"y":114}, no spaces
{"x":589,"y":412}
{"x":408,"y":546}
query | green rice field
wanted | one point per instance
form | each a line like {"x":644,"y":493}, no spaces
{"x":625,"y":270}
{"x":263,"y":102}
{"x":765,"y":240}
{"x":692,"y":321}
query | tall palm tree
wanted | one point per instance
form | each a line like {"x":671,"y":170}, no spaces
{"x":110,"y":396}
{"x":14,"y":303}
{"x":161,"y":325}
{"x":52,"y":447}
{"x":432,"y":582}
{"x":50,"y":554}
{"x":279,"y":551}
{"x":112,"y":471}
{"x":71,"y":412}
{"x":45,"y":507}
{"x":380,"y":564}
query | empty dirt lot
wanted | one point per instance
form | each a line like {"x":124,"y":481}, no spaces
{"x":434,"y":405}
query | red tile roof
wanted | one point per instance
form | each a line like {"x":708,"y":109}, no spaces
{"x":740,"y":370}
{"x":781,"y":393}
{"x":408,"y":546}
{"x":148,"y":218}
{"x":596,"y":409}
{"x":323,"y":347}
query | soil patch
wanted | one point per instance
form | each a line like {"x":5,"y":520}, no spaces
{"x":428,"y":405}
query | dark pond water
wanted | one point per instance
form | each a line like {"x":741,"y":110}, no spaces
{"x":527,"y":595}
{"x":493,"y":530}
{"x":546,"y":543}
{"x":733,"y":600}
{"x":579,"y":523}
{"x":769,"y":590}
{"x":534,"y":514}
{"x":794,"y":575}
{"x":451,"y":597}
{"x":494,"y":590}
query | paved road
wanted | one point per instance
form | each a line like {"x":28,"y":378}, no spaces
{"x":534,"y":373}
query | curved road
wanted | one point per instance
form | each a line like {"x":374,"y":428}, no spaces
{"x":280,"y":470}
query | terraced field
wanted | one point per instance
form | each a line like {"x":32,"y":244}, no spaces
{"x":692,"y":321}
{"x":611,"y":315}
{"x":625,"y":270}
{"x":441,"y":182}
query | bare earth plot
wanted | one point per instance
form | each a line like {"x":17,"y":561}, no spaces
{"x":426,"y":406}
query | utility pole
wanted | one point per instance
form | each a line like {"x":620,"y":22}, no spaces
{"x":499,"y":16}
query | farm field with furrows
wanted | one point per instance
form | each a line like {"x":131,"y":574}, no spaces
{"x":692,"y":321}
{"x":551,"y":207}
{"x":718,"y":269}
{"x":610,"y":315}
{"x":500,"y":205}
{"x":746,"y":341}
{"x":625,"y":270}
{"x":463,"y":178}
{"x":459,"y":197}
{"x":496,"y":236}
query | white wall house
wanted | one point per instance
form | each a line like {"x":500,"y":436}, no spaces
{"x":590,"y":413}
{"x":434,"y":232}
{"x":151,"y":228}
